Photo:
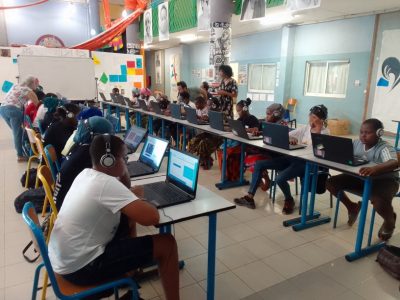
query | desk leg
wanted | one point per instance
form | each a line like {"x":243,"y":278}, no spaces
{"x":184,"y":138}
{"x":118,"y":113}
{"x":212,"y":241}
{"x":163,"y":128}
{"x":127,"y":120}
{"x":108,"y":110}
{"x":150,"y":122}
{"x":313,"y":189}
{"x":396,"y":143}
{"x":138,"y":119}
{"x":177,"y":136}
{"x":358,"y":251}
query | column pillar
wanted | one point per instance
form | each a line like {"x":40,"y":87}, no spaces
{"x":3,"y":28}
{"x":94,"y":17}
{"x":132,"y":31}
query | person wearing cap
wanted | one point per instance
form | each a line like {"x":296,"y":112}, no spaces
{"x":145,"y":94}
{"x":79,"y":158}
{"x":288,"y":167}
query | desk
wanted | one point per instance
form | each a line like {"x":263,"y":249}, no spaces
{"x":206,"y":203}
{"x":311,"y":219}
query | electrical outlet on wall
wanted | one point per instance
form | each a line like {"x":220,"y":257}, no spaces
{"x":357,"y":82}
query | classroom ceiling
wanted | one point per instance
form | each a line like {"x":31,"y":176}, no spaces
{"x":329,"y":10}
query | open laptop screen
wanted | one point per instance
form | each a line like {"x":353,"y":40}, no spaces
{"x":153,"y":151}
{"x":183,"y":170}
{"x":134,"y":137}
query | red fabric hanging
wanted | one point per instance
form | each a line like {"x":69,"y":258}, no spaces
{"x":116,"y":29}
{"x":107,"y":18}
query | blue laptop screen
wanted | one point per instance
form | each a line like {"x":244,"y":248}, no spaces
{"x":183,"y":168}
{"x":153,"y":151}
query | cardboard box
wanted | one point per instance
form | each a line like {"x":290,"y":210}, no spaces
{"x":339,"y":126}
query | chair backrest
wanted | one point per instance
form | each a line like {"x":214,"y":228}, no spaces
{"x":40,"y":148}
{"x":114,"y":121}
{"x":51,"y":155}
{"x":31,"y":219}
{"x":46,"y":178}
{"x":32,"y":141}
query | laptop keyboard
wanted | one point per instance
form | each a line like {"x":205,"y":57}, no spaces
{"x":163,"y":191}
{"x":137,"y":168}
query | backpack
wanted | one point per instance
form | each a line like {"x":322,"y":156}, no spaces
{"x":389,"y":259}
{"x":45,"y":228}
{"x":31,"y":180}
{"x":36,"y":196}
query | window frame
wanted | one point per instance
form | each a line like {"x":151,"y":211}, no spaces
{"x":325,"y":94}
{"x":251,"y":66}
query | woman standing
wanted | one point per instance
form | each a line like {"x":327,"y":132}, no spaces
{"x":12,"y":110}
{"x":228,"y":90}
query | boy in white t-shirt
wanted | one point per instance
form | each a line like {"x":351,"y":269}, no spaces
{"x":90,"y":243}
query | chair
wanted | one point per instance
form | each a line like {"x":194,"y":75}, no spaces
{"x":51,"y":156}
{"x":291,"y":110}
{"x":41,"y":130}
{"x":34,"y":156}
{"x":114,"y":121}
{"x":63,"y":289}
{"x":28,"y":121}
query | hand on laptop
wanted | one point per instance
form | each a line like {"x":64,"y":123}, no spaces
{"x":138,"y":190}
{"x":293,"y":141}
{"x":253,"y":131}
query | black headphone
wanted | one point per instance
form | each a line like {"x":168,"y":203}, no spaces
{"x":108,"y":159}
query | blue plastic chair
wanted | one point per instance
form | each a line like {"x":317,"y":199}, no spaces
{"x":52,"y":159}
{"x":114,"y":121}
{"x":58,"y":283}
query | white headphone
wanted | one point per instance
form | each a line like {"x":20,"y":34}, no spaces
{"x":69,"y":114}
{"x":108,"y":159}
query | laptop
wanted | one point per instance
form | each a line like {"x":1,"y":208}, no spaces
{"x":128,"y":102}
{"x":239,"y":130}
{"x":326,"y":147}
{"x":191,"y":116}
{"x":181,"y":183}
{"x":120,"y":99}
{"x":277,"y":135}
{"x":176,"y":111}
{"x":217,"y":121}
{"x":103,"y":97}
{"x":155,"y":106}
{"x":134,"y":137}
{"x":150,"y":158}
{"x":143,"y":105}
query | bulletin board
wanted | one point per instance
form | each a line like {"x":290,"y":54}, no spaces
{"x":123,"y":71}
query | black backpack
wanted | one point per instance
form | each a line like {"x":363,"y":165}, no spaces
{"x":31,"y":180}
{"x":36,"y":196}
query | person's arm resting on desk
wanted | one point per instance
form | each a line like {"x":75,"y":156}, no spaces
{"x":379,"y":169}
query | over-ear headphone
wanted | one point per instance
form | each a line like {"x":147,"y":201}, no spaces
{"x":245,"y":107}
{"x":88,"y":128}
{"x":279,"y":112}
{"x":380,"y":131}
{"x":108,"y":159}
{"x":69,"y":114}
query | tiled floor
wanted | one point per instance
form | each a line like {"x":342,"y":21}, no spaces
{"x":257,"y":258}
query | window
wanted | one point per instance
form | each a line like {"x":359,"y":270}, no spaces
{"x":326,"y":78}
{"x":262,"y":78}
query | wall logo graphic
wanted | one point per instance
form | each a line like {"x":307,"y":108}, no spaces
{"x":390,"y":73}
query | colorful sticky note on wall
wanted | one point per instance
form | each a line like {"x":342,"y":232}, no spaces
{"x":122,"y":78}
{"x":104,"y":78}
{"x":96,"y":60}
{"x":139,"y":72}
{"x":7,"y":85}
{"x":114,"y":78}
{"x":14,"y":60}
{"x":131,"y":64}
{"x":137,"y":85}
{"x":139,"y":63}
{"x":124,"y":71}
{"x":131,"y":71}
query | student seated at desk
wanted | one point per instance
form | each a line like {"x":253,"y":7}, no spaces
{"x":145,"y":94}
{"x":185,"y":100}
{"x":45,"y":113}
{"x":288,"y":167}
{"x":370,"y":146}
{"x":204,"y":144}
{"x":79,"y":158}
{"x":32,"y":108}
{"x":91,"y":243}
{"x":59,"y":131}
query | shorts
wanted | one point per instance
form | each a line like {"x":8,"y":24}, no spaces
{"x":382,"y":188}
{"x":123,"y":254}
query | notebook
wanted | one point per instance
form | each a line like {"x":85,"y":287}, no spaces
{"x":150,"y":158}
{"x":181,"y":183}
{"x":336,"y":149}
{"x":277,"y":135}
{"x":239,"y":130}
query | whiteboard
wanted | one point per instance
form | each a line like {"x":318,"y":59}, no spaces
{"x":72,"y":77}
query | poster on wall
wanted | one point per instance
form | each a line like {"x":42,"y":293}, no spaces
{"x":174,"y":75}
{"x":297,"y":5}
{"x":163,"y":22}
{"x":203,"y":15}
{"x":386,"y":105}
{"x":158,"y":63}
{"x":148,"y":27}
{"x":252,"y":9}
{"x":220,"y":44}
{"x":242,"y":75}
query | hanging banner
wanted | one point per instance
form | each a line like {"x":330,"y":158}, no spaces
{"x":242,"y":75}
{"x":220,"y":43}
{"x":252,"y":9}
{"x":148,"y":27}
{"x":174,"y":74}
{"x":203,"y":15}
{"x":386,"y":105}
{"x":158,"y":63}
{"x":297,"y":5}
{"x":163,"y":22}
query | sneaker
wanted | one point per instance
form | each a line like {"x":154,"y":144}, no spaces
{"x":288,"y":206}
{"x":245,"y":201}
